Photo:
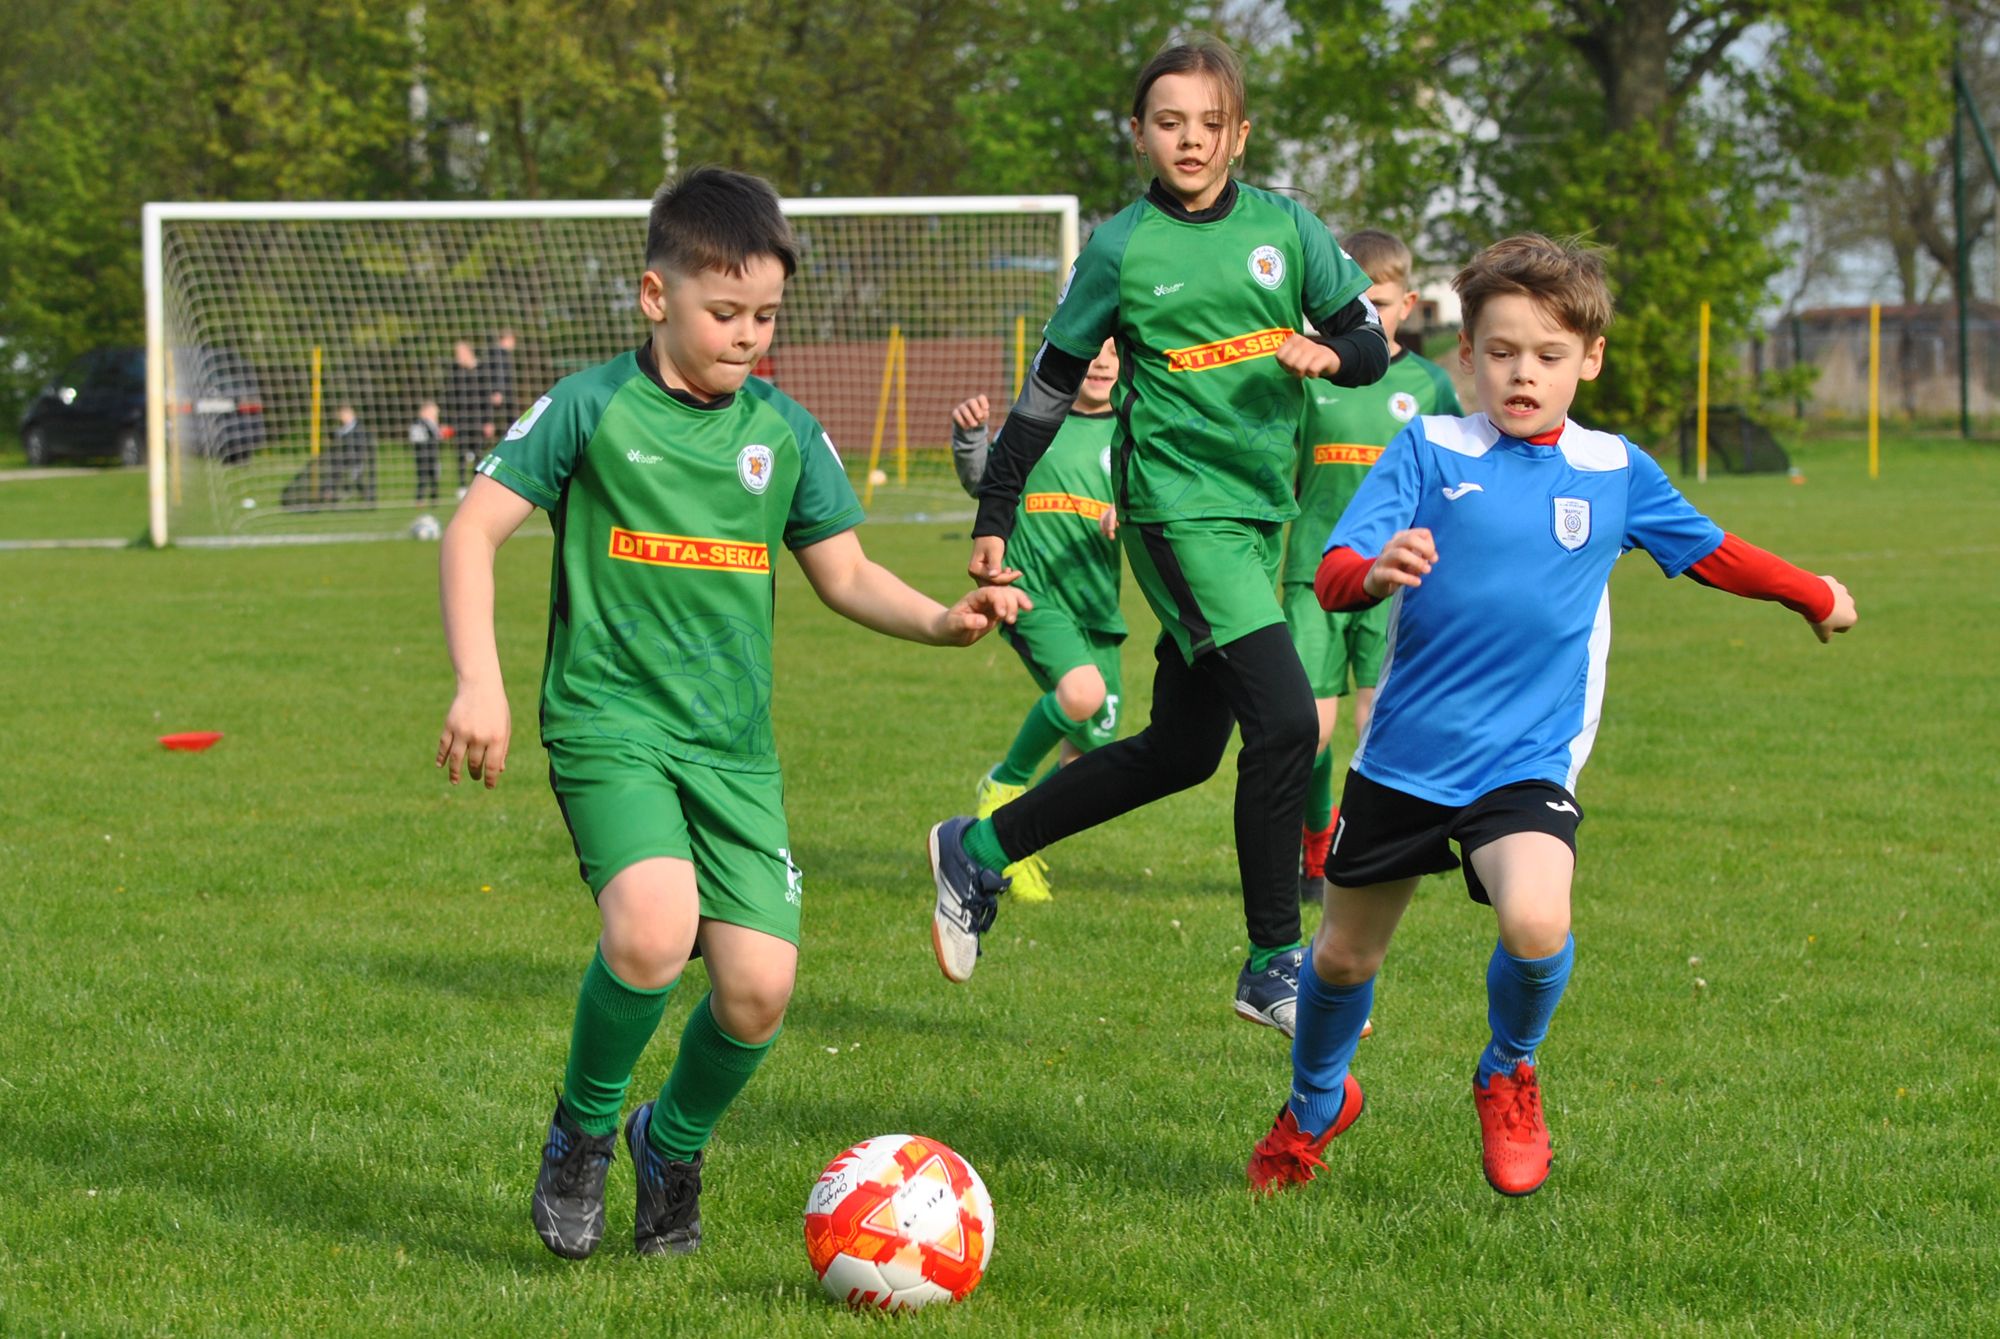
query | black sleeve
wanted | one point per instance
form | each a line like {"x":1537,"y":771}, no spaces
{"x":1355,"y":333}
{"x":1031,"y":425}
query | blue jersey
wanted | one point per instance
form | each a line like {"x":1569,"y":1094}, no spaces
{"x":1495,"y":670}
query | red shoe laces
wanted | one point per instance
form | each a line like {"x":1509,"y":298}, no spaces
{"x":1521,"y":1108}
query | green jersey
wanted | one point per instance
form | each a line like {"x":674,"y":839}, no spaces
{"x":1063,"y":556}
{"x":666,"y":514}
{"x":1344,"y":432}
{"x":1208,"y":421}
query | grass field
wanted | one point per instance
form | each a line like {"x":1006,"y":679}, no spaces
{"x":282,"y":1019}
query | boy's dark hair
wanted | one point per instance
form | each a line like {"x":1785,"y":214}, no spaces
{"x":1197,"y":53}
{"x":1383,"y":256}
{"x":715,"y":219}
{"x":1565,"y":278}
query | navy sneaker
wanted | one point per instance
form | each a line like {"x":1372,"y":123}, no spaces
{"x":569,"y":1191}
{"x":967,"y":899}
{"x":1271,"y":997}
{"x":668,"y":1221}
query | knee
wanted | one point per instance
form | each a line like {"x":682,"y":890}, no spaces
{"x":645,"y":957}
{"x":1340,"y":964}
{"x":1536,"y":936}
{"x":1181,"y":762}
{"x":1080,"y":696}
{"x":752,"y":1010}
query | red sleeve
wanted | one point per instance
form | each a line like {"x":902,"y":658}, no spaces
{"x":1746,"y":570}
{"x":1338,"y":581}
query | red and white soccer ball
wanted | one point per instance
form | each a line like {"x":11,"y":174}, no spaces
{"x":898,"y":1222}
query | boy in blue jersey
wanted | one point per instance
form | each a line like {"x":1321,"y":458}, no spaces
{"x":1495,"y":535}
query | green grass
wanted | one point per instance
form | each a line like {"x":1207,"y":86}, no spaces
{"x":282,"y":1019}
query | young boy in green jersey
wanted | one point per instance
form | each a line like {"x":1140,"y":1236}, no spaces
{"x":1343,"y":433}
{"x":1065,"y":549}
{"x":670,"y":475}
{"x":1204,"y":283}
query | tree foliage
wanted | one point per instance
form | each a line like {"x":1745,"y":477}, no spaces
{"x":1678,"y":133}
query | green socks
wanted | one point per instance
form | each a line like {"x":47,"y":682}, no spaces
{"x":1319,"y":794}
{"x":983,"y":846}
{"x":1041,"y":730}
{"x":1261,"y":958}
{"x":613,"y":1024}
{"x":708,"y":1073}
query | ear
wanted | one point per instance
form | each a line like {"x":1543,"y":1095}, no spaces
{"x":1138,"y":145}
{"x":653,"y":296}
{"x":1409,"y":305}
{"x":1593,"y":360}
{"x":1465,"y":350}
{"x":1242,"y":139}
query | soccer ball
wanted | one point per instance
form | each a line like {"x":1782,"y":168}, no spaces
{"x":425,"y":527}
{"x":898,"y":1222}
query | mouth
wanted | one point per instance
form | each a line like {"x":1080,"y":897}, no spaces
{"x":1189,"y":165}
{"x":1521,"y":404}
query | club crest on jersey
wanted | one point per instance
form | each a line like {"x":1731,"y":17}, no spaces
{"x":753,"y":467}
{"x":1267,"y":266}
{"x":1572,"y":522}
{"x":526,"y":421}
{"x":1403,"y":405}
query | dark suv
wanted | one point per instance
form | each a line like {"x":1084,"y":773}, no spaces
{"x":97,"y":407}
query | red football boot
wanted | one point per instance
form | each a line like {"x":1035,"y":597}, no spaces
{"x":1516,"y":1154}
{"x":1288,"y":1155}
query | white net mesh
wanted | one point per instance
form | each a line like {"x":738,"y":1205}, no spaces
{"x":273,"y":325}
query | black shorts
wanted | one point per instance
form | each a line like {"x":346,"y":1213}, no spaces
{"x":1384,"y":834}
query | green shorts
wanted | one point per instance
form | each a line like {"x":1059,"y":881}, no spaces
{"x":626,"y":801}
{"x":1332,"y":645}
{"x":1208,"y":581}
{"x":1051,"y":643}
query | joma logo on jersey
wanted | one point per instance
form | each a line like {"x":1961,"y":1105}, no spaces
{"x":1089,"y":508}
{"x":722,"y":555}
{"x":641,"y":458}
{"x":1345,"y":453}
{"x":1222,"y":352}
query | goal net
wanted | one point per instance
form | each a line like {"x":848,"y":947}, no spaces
{"x":293,"y":349}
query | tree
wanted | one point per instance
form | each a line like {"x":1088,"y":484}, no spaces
{"x":1674,"y":132}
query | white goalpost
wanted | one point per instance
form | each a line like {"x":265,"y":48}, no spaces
{"x":291,"y":347}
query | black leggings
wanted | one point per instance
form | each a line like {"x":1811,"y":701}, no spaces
{"x":1255,"y":681}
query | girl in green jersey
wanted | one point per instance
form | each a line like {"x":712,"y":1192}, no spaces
{"x":1204,"y":283}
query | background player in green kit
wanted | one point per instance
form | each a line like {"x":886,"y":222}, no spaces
{"x":1071,"y":640}
{"x":1342,"y":434}
{"x":670,"y":475}
{"x":1203,"y":283}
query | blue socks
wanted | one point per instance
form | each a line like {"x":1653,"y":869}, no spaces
{"x":1521,"y":998}
{"x":1329,"y":1023}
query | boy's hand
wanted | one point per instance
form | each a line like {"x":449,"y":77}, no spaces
{"x":1406,"y":559}
{"x":476,"y":731}
{"x":978,"y":612}
{"x":971,"y":413}
{"x":989,"y":562}
{"x":1107,"y":524}
{"x":1303,"y":357}
{"x":1843,"y":616}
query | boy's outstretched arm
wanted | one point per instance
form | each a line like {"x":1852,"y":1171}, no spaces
{"x":848,"y":582}
{"x":1744,"y":569}
{"x":478,"y":725}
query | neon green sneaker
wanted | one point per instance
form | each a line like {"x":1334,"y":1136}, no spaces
{"x":1030,"y":876}
{"x":991,"y":794}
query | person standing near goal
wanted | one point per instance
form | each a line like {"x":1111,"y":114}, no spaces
{"x":670,"y":475}
{"x":1066,"y":549}
{"x":1495,"y":535}
{"x":1203,"y":282}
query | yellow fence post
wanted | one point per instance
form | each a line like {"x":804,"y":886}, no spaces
{"x":902,"y":408}
{"x":881,"y":416}
{"x":314,"y":430}
{"x":1020,"y":354}
{"x":1701,"y":405}
{"x":1874,"y":390}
